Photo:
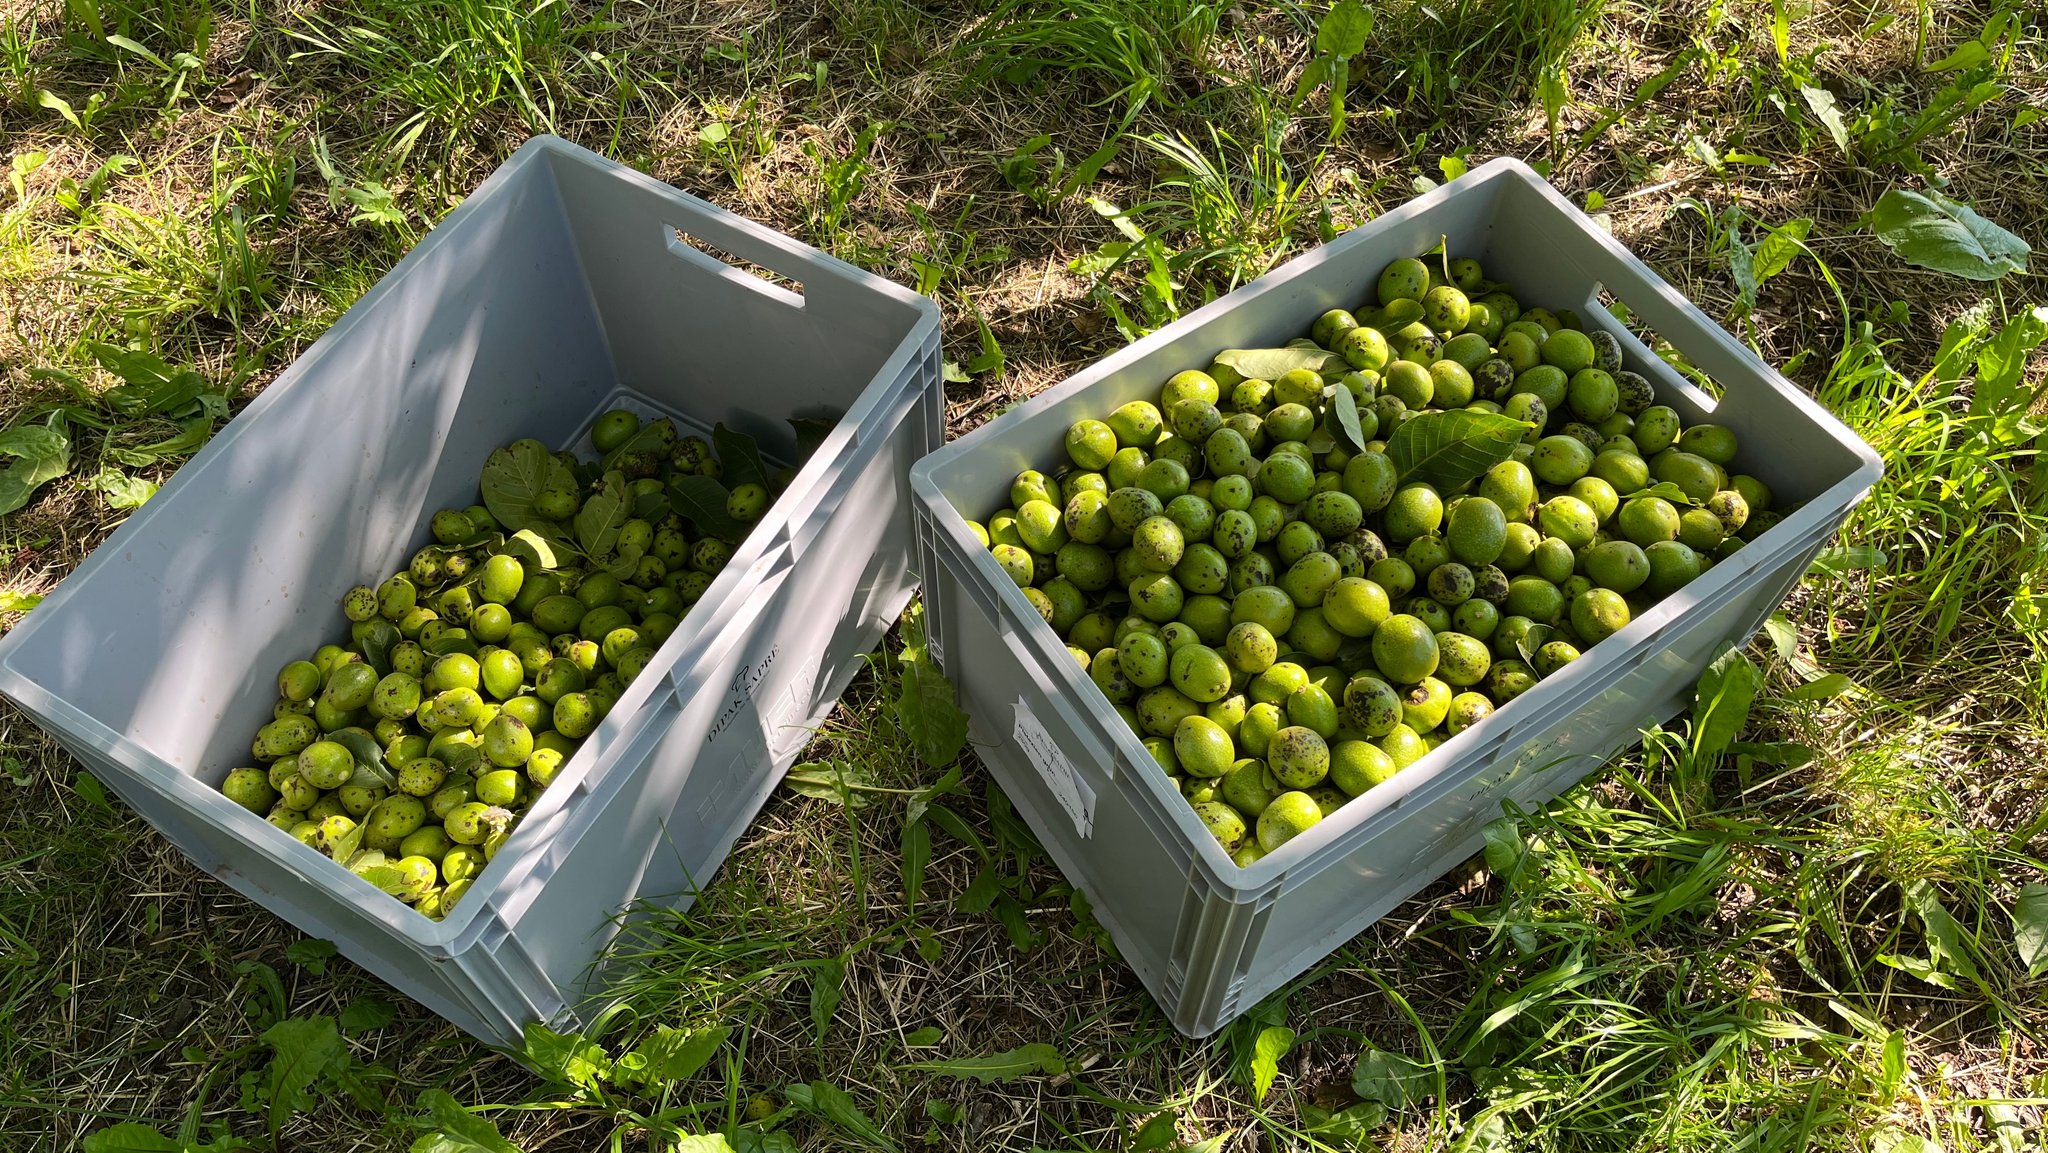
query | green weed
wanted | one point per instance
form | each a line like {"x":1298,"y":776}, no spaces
{"x":1961,"y":514}
{"x":20,"y":44}
{"x":951,"y":249}
{"x":444,"y":70}
{"x":841,"y":179}
{"x":296,"y":1065}
{"x":1340,"y":36}
{"x":1137,"y":280}
{"x":159,"y":413}
{"x":1223,"y":215}
{"x":97,"y":28}
{"x":1755,"y":253}
{"x":83,"y":118}
{"x":264,"y":172}
{"x":1134,"y":53}
{"x":1444,"y":56}
{"x":1887,"y":134}
{"x":1239,"y":201}
{"x":736,"y":136}
{"x":160,"y":271}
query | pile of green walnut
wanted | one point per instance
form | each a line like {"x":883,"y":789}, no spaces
{"x":1305,"y":568}
{"x":469,"y":679}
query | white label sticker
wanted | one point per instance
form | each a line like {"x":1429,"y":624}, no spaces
{"x":1056,"y":770}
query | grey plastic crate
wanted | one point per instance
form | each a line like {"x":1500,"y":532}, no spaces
{"x":1209,"y":939}
{"x":560,"y":288}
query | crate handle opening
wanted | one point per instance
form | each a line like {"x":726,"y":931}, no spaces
{"x":736,"y":269}
{"x":1600,"y":307}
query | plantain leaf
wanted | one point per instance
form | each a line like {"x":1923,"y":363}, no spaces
{"x":16,"y":601}
{"x":1272,"y":1044}
{"x":1822,"y":688}
{"x":193,"y":434}
{"x":930,"y":713}
{"x":1968,"y":54}
{"x":1033,"y":1060}
{"x":1271,"y":363}
{"x":367,"y":1014}
{"x":1821,"y":103}
{"x":1550,"y":90}
{"x":566,"y":1058}
{"x":2002,"y":364}
{"x":151,"y":385}
{"x":1157,"y":1133}
{"x":1505,"y":847}
{"x":1349,"y":1128}
{"x":42,"y":454}
{"x":303,"y":1050}
{"x":1391,"y":1079}
{"x":1722,"y":700}
{"x":1447,"y":449}
{"x":829,"y":1101}
{"x":1317,"y":72}
{"x":1932,"y":231}
{"x":1343,"y":30}
{"x":917,"y":851}
{"x":121,"y":490}
{"x":1947,"y":940}
{"x":2030,"y":928}
{"x":670,"y":1054}
{"x":827,"y":989}
{"x":1775,"y":251}
{"x":456,"y":1129}
{"x":1835,"y":560}
{"x":130,"y":1137}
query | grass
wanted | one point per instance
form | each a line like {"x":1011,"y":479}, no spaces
{"x":1953,"y":543}
{"x":1805,"y":940}
{"x":438,"y":72}
{"x":1444,"y":54}
{"x":1137,"y":53}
